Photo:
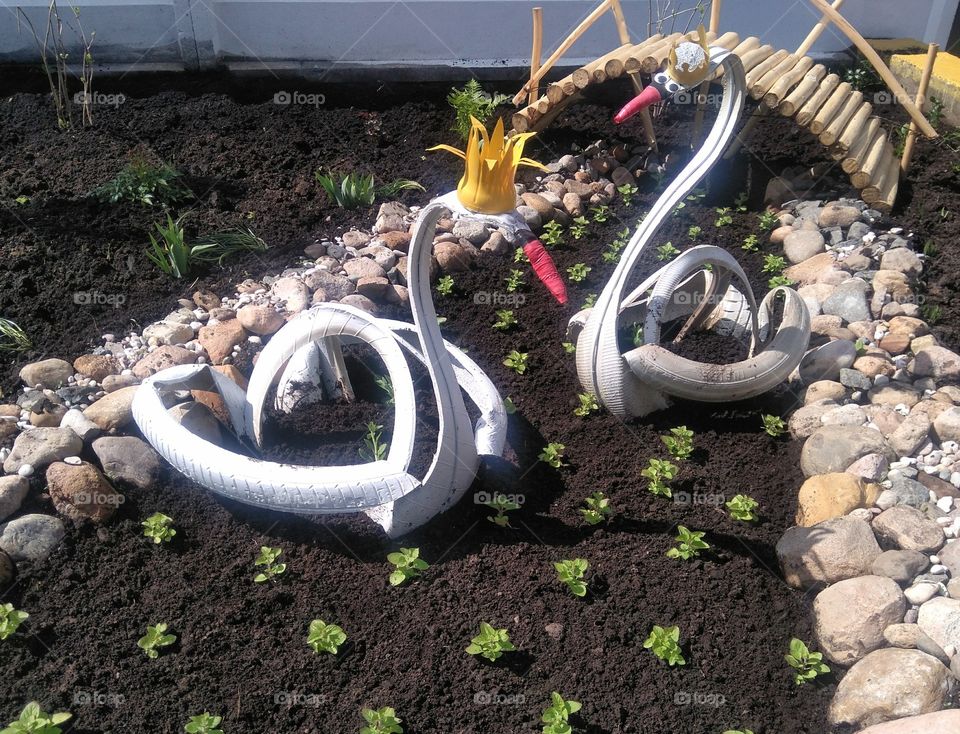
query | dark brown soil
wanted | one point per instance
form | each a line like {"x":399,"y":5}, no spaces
{"x":241,"y":650}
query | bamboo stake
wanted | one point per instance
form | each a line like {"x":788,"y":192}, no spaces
{"x":882,"y":69}
{"x":932,"y":50}
{"x":805,"y":89}
{"x":855,"y":127}
{"x":873,"y":162}
{"x":562,"y":49}
{"x":830,"y":108}
{"x":715,"y":6}
{"x":787,"y":82}
{"x":864,"y":142}
{"x":817,"y":31}
{"x":831,"y":133}
{"x":759,"y":88}
{"x":535,"y":52}
{"x":872,"y":193}
{"x":888,"y":192}
{"x":820,"y":95}
{"x":555,"y":92}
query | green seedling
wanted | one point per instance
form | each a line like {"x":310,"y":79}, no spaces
{"x":578,"y":272}
{"x":10,"y":619}
{"x":597,"y":509}
{"x":664,"y":643}
{"x":689,"y":544}
{"x":519,"y":255}
{"x":556,"y":716}
{"x":157,"y":527}
{"x":374,"y":448}
{"x":472,"y":101}
{"x":323,"y":637}
{"x":590,"y":301}
{"x":552,"y":234}
{"x":571,"y":573}
{"x":502,"y":504}
{"x":806,"y":665}
{"x":679,"y":442}
{"x":667,"y":252}
{"x":627,"y":192}
{"x":743,"y":508}
{"x":588,"y":405}
{"x":386,"y":384}
{"x":768,"y":220}
{"x":445,"y":285}
{"x":144,"y":183}
{"x":505,"y":320}
{"x":659,"y":473}
{"x":779,"y":281}
{"x":155,"y":639}
{"x":22,"y":200}
{"x":724,"y":218}
{"x":774,"y":264}
{"x":381,"y":721}
{"x":205,"y":723}
{"x":740,"y":203}
{"x":612,"y":252}
{"x":408,"y":565}
{"x":509,"y":405}
{"x":267,"y":561}
{"x":569,"y":347}
{"x":33,"y":720}
{"x":579,"y":227}
{"x":515,"y":281}
{"x":600,"y":213}
{"x":694,"y":232}
{"x":552,"y":454}
{"x":517,"y":361}
{"x":636,"y":334}
{"x":773,"y":425}
{"x":490,"y":643}
{"x":751,"y":243}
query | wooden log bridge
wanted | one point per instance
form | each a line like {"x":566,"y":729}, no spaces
{"x":792,"y":85}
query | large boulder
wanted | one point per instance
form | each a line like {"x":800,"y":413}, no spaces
{"x":907,"y":528}
{"x":31,"y":537}
{"x":831,"y":495}
{"x":830,"y":551}
{"x":48,"y":373}
{"x":834,"y":448}
{"x":80,"y":492}
{"x":41,"y":447}
{"x":851,"y":615}
{"x":939,"y":722}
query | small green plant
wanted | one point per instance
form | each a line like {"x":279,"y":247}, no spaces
{"x":323,"y":637}
{"x":773,"y":425}
{"x":579,"y":227}
{"x":556,"y":716}
{"x":590,"y":300}
{"x":806,"y":665}
{"x":679,"y":442}
{"x":689,"y":544}
{"x":636,"y":334}
{"x":664,"y":643}
{"x":627,"y":192}
{"x":724,"y":218}
{"x":381,"y":721}
{"x":571,"y":573}
{"x":694,"y":232}
{"x":157,"y":527}
{"x":552,"y":454}
{"x":472,"y":101}
{"x":155,"y":639}
{"x":267,"y":560}
{"x":659,"y":472}
{"x":10,"y":619}
{"x":740,"y":203}
{"x":519,"y":255}
{"x":932,"y":313}
{"x":588,"y":405}
{"x":386,"y":384}
{"x":768,"y":220}
{"x":145,"y":183}
{"x":408,"y":565}
{"x":22,"y":200}
{"x":445,"y":285}
{"x":515,"y":280}
{"x":505,"y":320}
{"x":32,"y":720}
{"x":862,"y":75}
{"x":205,"y":723}
{"x":743,"y":508}
{"x":374,"y":448}
{"x":569,"y":347}
{"x":509,"y":405}
{"x":578,"y":272}
{"x":175,"y":256}
{"x":667,"y":252}
{"x":491,"y":643}
{"x":600,"y":213}
{"x":774,"y":264}
{"x":170,"y":252}
{"x":597,"y":509}
{"x":354,"y":189}
{"x":502,"y":504}
{"x":13,"y":338}
{"x":612,"y":252}
{"x":930,"y":248}
{"x":779,"y":281}
{"x":517,"y":361}
{"x":552,"y":234}
{"x":751,"y":243}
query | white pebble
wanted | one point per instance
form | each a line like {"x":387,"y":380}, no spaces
{"x":955,"y":479}
{"x":939,"y":568}
{"x":920,"y":593}
{"x":25,"y":470}
{"x":945,"y":503}
{"x":73,"y":461}
{"x":934,"y":559}
{"x":254,"y":339}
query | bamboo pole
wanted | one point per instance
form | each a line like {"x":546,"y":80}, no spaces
{"x":804,"y":90}
{"x":831,"y":133}
{"x":752,"y":58}
{"x":830,"y":108}
{"x":888,"y":192}
{"x":764,"y":66}
{"x":858,"y":150}
{"x":787,"y":82}
{"x":759,"y":88}
{"x":747,"y":44}
{"x":535,"y":52}
{"x":655,"y":56}
{"x":624,"y":32}
{"x":873,"y":162}
{"x":820,"y":95}
{"x":882,"y":69}
{"x":872,"y":194}
{"x":817,"y":31}
{"x":854,"y":128}
{"x":932,"y":50}
{"x":583,"y":76}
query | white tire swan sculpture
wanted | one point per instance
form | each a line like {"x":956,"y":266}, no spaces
{"x":705,"y":284}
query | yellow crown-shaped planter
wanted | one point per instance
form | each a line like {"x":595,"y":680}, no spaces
{"x":491,"y":166}
{"x":689,"y":62}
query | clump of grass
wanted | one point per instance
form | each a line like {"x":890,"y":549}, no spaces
{"x":354,"y":189}
{"x":13,"y":338}
{"x":175,"y":256}
{"x":146,"y":183}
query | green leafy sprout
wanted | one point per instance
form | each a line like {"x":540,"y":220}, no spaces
{"x":773,"y":425}
{"x":381,"y":721}
{"x":323,"y":637}
{"x":578,"y":272}
{"x":33,"y":720}
{"x":579,"y":227}
{"x":556,"y":716}
{"x":659,"y":472}
{"x":408,"y":565}
{"x":502,"y":504}
{"x":176,"y":257}
{"x":267,"y":562}
{"x":679,"y":442}
{"x":742,"y":507}
{"x":355,"y":189}
{"x":570,"y":572}
{"x":806,"y":665}
{"x":491,"y":643}
{"x":689,"y":544}
{"x":517,"y":361}
{"x":552,"y":454}
{"x":155,"y":639}
{"x":374,"y":447}
{"x":779,"y":281}
{"x":505,"y":320}
{"x":751,"y":243}
{"x":515,"y":280}
{"x":205,"y":723}
{"x":664,"y":643}
{"x":569,"y":347}
{"x":774,"y":264}
{"x":588,"y":405}
{"x":600,"y":213}
{"x":627,"y":191}
{"x":445,"y":285}
{"x":386,"y":384}
{"x":694,"y":232}
{"x":667,"y":251}
{"x":724,"y":218}
{"x":472,"y":101}
{"x":768,"y":220}
{"x":597,"y":509}
{"x":157,"y":527}
{"x":10,"y":619}
{"x":590,"y":300}
{"x":552,"y":234}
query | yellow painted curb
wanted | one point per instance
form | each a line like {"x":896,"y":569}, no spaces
{"x":944,"y":84}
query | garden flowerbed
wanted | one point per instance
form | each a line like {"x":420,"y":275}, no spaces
{"x":74,"y":269}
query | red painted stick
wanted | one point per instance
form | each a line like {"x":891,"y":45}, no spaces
{"x":546,"y":270}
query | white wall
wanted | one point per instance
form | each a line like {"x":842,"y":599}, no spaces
{"x":314,"y":36}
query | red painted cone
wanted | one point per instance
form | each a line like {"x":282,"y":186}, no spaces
{"x":649,"y":96}
{"x":546,"y":270}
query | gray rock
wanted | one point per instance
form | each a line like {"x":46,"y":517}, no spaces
{"x":42,"y":446}
{"x":168,"y":332}
{"x":48,"y":373}
{"x":802,"y":244}
{"x":857,"y":231}
{"x":31,"y":537}
{"x":849,"y":301}
{"x":530,"y":216}
{"x":128,"y":460}
{"x":8,"y":570}
{"x":363,"y":267}
{"x":908,"y":491}
{"x":947,"y":425}
{"x":838,"y":215}
{"x":901,"y":259}
{"x":473,"y":230}
{"x":834,"y":448}
{"x":900,"y":565}
{"x":806,"y":420}
{"x":390,"y":217}
{"x":854,"y":379}
{"x":830,"y":551}
{"x":911,"y":434}
{"x":950,"y":557}
{"x":198,"y":419}
{"x":361,"y":302}
{"x":826,"y":361}
{"x":13,"y":489}
{"x":871,"y":468}
{"x":940,"y":619}
{"x":851,"y":615}
{"x":936,"y":362}
{"x":335,"y":286}
{"x":77,"y":422}
{"x":292,"y":293}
